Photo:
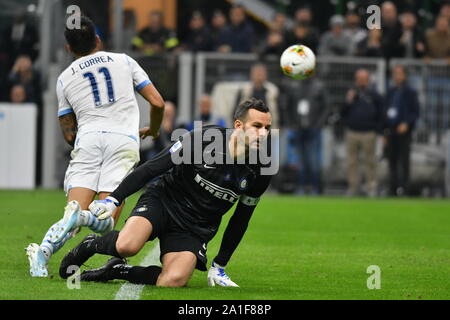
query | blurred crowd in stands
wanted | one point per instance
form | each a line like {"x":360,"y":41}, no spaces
{"x":401,"y":34}
{"x":19,"y":79}
{"x":365,"y":112}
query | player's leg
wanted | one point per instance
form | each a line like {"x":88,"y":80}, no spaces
{"x":181,"y":252}
{"x":177,"y":269}
{"x":84,"y":196}
{"x":60,"y":232}
{"x":176,"y":272}
{"x":55,"y":238}
{"x":125,"y":243}
{"x":77,"y":215}
{"x":146,"y":219}
{"x":133,"y":236}
{"x":80,"y":181}
{"x":117,"y":268}
{"x":121,"y":155}
{"x":110,"y":169}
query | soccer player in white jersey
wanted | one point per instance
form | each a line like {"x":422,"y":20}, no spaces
{"x":99,"y":117}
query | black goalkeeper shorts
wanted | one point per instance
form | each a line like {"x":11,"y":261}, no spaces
{"x":172,"y":238}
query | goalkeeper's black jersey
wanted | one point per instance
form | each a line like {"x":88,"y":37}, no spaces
{"x":197,"y":195}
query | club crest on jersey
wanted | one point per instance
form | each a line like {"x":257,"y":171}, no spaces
{"x":243,"y":184}
{"x":176,"y":147}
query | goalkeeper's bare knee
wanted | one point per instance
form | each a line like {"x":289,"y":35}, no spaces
{"x":127,"y":247}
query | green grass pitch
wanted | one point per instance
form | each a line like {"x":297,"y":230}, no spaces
{"x":295,"y":248}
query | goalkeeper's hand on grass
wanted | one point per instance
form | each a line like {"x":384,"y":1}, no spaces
{"x":217,"y":275}
{"x":103,"y":209}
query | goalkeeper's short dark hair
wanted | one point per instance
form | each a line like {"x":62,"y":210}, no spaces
{"x":243,"y":108}
{"x":82,"y":40}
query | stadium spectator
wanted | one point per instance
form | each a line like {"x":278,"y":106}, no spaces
{"x":17,"y":94}
{"x":371,"y":46}
{"x":278,"y":35}
{"x":239,"y":36}
{"x":445,"y":10}
{"x":354,"y":31}
{"x":165,"y":133}
{"x":304,"y":16}
{"x":274,"y":43}
{"x":307,"y":103}
{"x":4,"y":93}
{"x":129,"y":29}
{"x":401,"y":112}
{"x":438,"y":40}
{"x":392,"y":30}
{"x":29,"y":79}
{"x":259,"y":88}
{"x":279,"y":23}
{"x":218,"y":27}
{"x":206,"y":115}
{"x":363,"y":115}
{"x":20,"y":38}
{"x":155,"y":38}
{"x":23,"y":73}
{"x":411,"y":40}
{"x":199,"y":36}
{"x":304,"y":34}
{"x":335,"y":42}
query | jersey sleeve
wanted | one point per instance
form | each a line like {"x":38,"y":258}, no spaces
{"x":64,"y":106}
{"x":140,"y":77}
{"x":238,"y":223}
{"x":251,"y":197}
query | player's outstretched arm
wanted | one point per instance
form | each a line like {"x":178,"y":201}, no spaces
{"x":231,"y":238}
{"x":236,"y":228}
{"x":234,"y":233}
{"x":151,"y":94}
{"x":137,"y":179}
{"x":69,"y":127}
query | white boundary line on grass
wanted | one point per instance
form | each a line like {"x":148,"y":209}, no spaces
{"x":130,"y":291}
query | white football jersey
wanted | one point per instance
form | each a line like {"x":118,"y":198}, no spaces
{"x":99,"y":89}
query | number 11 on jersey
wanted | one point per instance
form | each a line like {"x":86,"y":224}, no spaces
{"x":94,"y":85}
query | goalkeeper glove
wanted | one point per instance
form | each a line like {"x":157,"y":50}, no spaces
{"x":103,"y":209}
{"x":217,"y":275}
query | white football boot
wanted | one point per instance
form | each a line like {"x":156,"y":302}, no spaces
{"x":38,"y":263}
{"x":69,"y":222}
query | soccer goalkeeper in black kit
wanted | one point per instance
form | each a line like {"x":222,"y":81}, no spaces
{"x":184,"y":207}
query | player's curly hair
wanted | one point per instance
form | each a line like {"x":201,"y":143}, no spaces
{"x":241,"y":111}
{"x":82,"y":40}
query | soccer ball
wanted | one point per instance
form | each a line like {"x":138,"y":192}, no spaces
{"x":298,"y":62}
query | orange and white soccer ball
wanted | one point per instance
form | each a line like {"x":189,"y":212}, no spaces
{"x":298,"y":62}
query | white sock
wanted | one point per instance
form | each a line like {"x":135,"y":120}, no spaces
{"x":85,"y":218}
{"x":95,"y":224}
{"x":47,"y":246}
